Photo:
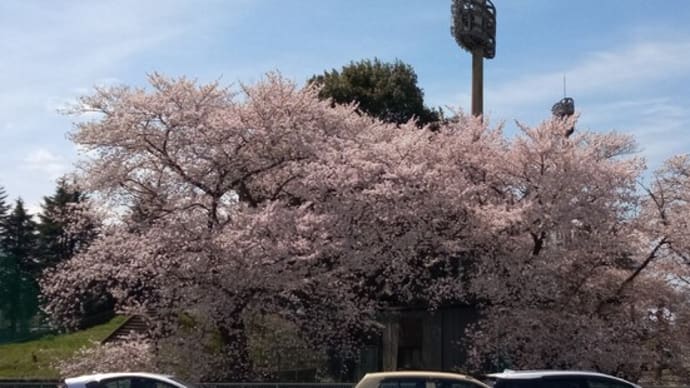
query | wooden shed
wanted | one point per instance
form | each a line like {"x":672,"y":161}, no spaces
{"x":420,"y":339}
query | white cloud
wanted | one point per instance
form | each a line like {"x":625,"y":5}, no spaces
{"x":46,"y":162}
{"x":34,"y":208}
{"x":60,"y":50}
{"x":605,"y":72}
{"x":614,"y":89}
{"x":658,"y":124}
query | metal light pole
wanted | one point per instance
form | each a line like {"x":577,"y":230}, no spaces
{"x":474,"y":28}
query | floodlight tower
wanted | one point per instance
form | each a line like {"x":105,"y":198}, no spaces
{"x":474,"y":28}
{"x":564,"y":109}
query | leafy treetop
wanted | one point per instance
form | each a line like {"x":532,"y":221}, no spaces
{"x":384,"y":90}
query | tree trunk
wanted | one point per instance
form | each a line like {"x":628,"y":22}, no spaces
{"x":235,"y":346}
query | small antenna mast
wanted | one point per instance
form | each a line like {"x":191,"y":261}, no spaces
{"x":564,"y":108}
{"x":564,"y":94}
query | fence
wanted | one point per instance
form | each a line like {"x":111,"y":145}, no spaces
{"x":28,"y":384}
{"x":54,"y":384}
{"x":273,"y":385}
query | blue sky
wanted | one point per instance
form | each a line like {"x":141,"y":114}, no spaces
{"x":627,"y":62}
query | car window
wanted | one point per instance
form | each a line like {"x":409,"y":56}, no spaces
{"x":606,"y":383}
{"x":135,"y":382}
{"x":140,"y":382}
{"x":562,"y":382}
{"x":448,"y":383}
{"x":403,"y":383}
{"x":124,"y":382}
{"x":541,"y":383}
{"x":515,"y":384}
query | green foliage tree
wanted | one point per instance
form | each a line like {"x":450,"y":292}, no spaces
{"x":4,"y":207}
{"x":68,"y":226}
{"x":18,"y":285}
{"x":6,"y":269}
{"x":61,"y":232}
{"x":19,"y":238}
{"x":19,"y":299}
{"x":387,"y":91}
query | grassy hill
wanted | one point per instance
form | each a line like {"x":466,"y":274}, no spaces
{"x":33,"y":359}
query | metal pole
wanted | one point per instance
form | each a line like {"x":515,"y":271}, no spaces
{"x":477,"y":83}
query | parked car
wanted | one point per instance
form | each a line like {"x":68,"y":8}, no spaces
{"x":124,"y":380}
{"x":418,"y":379}
{"x":556,"y":379}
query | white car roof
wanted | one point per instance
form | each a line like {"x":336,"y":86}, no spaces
{"x":372,"y":379}
{"x":535,"y":374}
{"x":81,"y":381}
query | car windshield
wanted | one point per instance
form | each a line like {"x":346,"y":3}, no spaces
{"x":517,"y":384}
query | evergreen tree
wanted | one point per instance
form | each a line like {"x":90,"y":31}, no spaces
{"x":67,"y":226}
{"x":5,"y":265}
{"x":4,"y":210}
{"x":4,"y":207}
{"x":61,"y":231}
{"x":18,"y":286}
{"x":19,"y":238}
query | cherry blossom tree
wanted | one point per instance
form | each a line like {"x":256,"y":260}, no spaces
{"x":133,"y":353}
{"x":269,"y":201}
{"x":577,"y":278}
{"x":221,"y":194}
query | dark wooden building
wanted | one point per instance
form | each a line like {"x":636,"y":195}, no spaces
{"x":419,"y":339}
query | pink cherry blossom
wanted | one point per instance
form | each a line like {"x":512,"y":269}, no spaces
{"x":269,"y":201}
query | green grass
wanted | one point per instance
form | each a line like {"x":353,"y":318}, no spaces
{"x":33,"y":359}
